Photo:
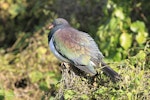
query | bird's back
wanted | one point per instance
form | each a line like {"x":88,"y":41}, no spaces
{"x":77,"y":46}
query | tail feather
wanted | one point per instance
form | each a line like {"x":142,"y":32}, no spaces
{"x":111,"y":73}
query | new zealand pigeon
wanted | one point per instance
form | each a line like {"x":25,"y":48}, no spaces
{"x":77,"y":48}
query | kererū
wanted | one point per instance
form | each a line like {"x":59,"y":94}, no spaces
{"x":77,"y":48}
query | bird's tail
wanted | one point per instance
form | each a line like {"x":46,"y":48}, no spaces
{"x":110,"y":72}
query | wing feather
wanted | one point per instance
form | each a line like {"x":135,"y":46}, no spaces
{"x":77,"y":46}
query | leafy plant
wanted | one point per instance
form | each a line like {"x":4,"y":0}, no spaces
{"x":120,"y":33}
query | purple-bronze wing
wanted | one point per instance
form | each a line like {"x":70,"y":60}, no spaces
{"x":78,"y":47}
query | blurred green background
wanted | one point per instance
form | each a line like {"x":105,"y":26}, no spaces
{"x":27,"y":67}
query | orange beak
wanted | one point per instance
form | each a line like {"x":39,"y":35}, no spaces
{"x":50,"y":26}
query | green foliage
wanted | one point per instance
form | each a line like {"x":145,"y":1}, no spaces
{"x":126,"y":40}
{"x":6,"y":95}
{"x":120,"y":33}
{"x":30,"y":67}
{"x":29,"y":71}
{"x":134,"y":84}
{"x":69,"y":94}
{"x":138,"y":27}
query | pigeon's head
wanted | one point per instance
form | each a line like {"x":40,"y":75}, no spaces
{"x":58,"y":22}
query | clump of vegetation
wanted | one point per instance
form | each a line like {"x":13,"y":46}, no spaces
{"x":29,"y":73}
{"x":134,"y":84}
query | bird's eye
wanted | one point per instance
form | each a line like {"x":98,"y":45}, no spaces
{"x":59,"y":22}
